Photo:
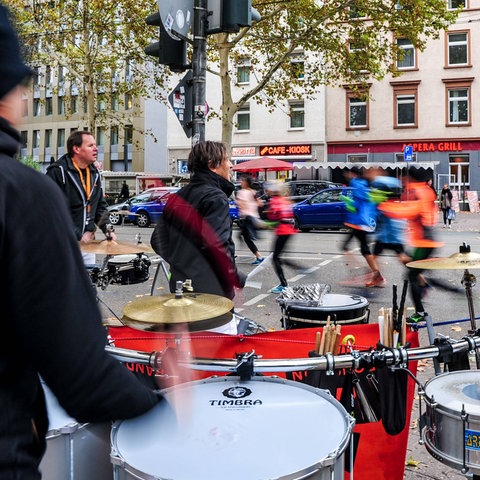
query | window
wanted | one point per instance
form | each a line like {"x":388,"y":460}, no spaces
{"x":457,"y":49}
{"x":100,"y":137}
{"x":61,"y":105}
{"x":406,"y":54}
{"x":128,"y":101}
{"x":454,"y":4}
{"x":243,"y":119}
{"x":400,"y":157}
{"x":61,"y":75}
{"x":243,"y":74}
{"x":405,"y":104}
{"x":458,"y":105}
{"x":23,"y":139}
{"x":114,"y":136}
{"x":459,"y":166}
{"x":297,"y":64}
{"x":74,"y":104}
{"x":48,"y":138}
{"x":60,"y":137}
{"x":25,"y":107}
{"x":357,"y":109}
{"x":115,"y":103}
{"x":355,"y":158}
{"x":37,"y":107}
{"x":128,"y":134}
{"x":36,"y":139}
{"x":48,"y":76}
{"x":297,"y":115}
{"x":48,"y":106}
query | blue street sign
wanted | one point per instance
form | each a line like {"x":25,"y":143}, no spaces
{"x":408,"y":153}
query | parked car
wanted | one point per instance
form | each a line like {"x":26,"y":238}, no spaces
{"x":147,"y":207}
{"x":324,"y":209}
{"x":302,"y":189}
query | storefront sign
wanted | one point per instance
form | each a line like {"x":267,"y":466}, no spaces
{"x":243,"y":151}
{"x":286,"y":150}
{"x":436,"y":146}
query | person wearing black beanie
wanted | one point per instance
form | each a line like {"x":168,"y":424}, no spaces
{"x":52,"y":332}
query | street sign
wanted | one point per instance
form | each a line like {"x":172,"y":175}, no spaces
{"x":177,"y":16}
{"x":408,"y":153}
{"x":181,"y":101}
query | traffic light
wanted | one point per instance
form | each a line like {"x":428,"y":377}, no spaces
{"x":169,"y":51}
{"x":230,"y":15}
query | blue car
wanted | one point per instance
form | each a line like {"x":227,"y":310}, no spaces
{"x":323,"y":210}
{"x":234,"y":213}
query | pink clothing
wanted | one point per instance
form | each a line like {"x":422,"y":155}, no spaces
{"x":280,"y":210}
{"x":247,"y":203}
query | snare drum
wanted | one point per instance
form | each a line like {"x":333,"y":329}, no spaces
{"x":129,"y":269}
{"x":74,"y":451}
{"x":264,"y":428}
{"x":342,"y":309}
{"x":452,"y":430}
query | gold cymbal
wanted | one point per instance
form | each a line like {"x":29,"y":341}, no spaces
{"x":162,"y":313}
{"x":113,"y":247}
{"x":457,"y":261}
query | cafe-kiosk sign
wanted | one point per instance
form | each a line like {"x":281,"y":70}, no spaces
{"x":285,"y":150}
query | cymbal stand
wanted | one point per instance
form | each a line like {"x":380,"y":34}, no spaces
{"x":469,"y":281}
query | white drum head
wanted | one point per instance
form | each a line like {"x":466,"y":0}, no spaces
{"x":456,"y":389}
{"x":338,"y":301}
{"x":122,"y":258}
{"x":264,"y":428}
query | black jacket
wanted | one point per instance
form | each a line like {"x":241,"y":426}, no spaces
{"x":85,"y":213}
{"x":50,"y":322}
{"x":194,"y":235}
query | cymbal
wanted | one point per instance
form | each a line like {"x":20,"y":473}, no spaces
{"x":457,"y":261}
{"x":113,"y":247}
{"x":162,"y":313}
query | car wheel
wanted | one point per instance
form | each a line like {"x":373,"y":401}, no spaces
{"x":143,"y":219}
{"x":115,"y":218}
{"x":296,"y":223}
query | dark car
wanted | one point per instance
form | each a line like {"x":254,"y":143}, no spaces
{"x":323,"y":210}
{"x":143,"y":209}
{"x":302,"y":189}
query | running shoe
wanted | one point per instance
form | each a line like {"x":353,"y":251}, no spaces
{"x":416,"y":319}
{"x":257,"y":261}
{"x":278,"y":289}
{"x":377,"y":281}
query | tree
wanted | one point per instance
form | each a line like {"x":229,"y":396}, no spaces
{"x":349,"y":42}
{"x":96,"y":50}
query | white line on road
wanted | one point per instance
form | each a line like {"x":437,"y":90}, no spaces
{"x":256,"y":299}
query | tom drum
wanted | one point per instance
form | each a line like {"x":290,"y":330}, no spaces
{"x":342,"y":309}
{"x":129,"y":269}
{"x":263,"y":428}
{"x":74,"y":451}
{"x":452,"y":430}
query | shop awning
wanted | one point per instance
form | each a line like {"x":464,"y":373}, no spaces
{"x":394,"y":165}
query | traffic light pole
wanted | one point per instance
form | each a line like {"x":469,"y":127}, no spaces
{"x":199,"y":70}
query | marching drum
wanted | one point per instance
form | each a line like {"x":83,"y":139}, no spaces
{"x":263,"y":428}
{"x":128,"y":269}
{"x":74,"y":451}
{"x":342,"y":309}
{"x":452,"y":430}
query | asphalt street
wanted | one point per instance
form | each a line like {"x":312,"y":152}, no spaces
{"x":316,"y":258}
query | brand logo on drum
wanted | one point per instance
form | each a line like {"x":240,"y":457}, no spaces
{"x":236,"y":397}
{"x":237,"y":392}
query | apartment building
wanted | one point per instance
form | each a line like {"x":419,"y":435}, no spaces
{"x":434,"y":107}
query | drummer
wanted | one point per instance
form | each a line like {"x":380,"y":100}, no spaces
{"x":194,"y":234}
{"x":51,"y":325}
{"x":78,"y":177}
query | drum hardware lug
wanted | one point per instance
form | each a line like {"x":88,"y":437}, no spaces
{"x":330,"y":368}
{"x":245,"y":365}
{"x":464,"y":417}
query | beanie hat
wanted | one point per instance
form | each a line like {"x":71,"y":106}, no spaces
{"x":12,"y":69}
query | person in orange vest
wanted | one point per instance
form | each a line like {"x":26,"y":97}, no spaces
{"x":417,"y":206}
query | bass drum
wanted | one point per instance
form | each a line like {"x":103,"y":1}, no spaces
{"x":342,"y":309}
{"x":74,"y":451}
{"x":263,"y":428}
{"x":452,"y":430}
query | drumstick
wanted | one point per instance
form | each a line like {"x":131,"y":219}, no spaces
{"x":321,"y":349}
{"x":401,"y":313}
{"x":317,"y":342}
{"x":338,"y":334}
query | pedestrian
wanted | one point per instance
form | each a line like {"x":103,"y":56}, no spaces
{"x":417,"y":206}
{"x":430,"y":184}
{"x":248,"y":205}
{"x":280,"y":211}
{"x":51,"y":326}
{"x":124,"y":192}
{"x":446,"y":205}
{"x":75,"y":173}
{"x":361,"y":221}
{"x":194,"y":233}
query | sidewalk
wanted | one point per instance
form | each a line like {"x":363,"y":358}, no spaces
{"x":465,"y":222}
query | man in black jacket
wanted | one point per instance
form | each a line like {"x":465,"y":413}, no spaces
{"x":80,"y":181}
{"x":194,"y":234}
{"x":51,"y":326}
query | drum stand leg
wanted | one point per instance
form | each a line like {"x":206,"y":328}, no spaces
{"x":469,"y":281}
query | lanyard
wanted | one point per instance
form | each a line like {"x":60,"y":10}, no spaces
{"x":87,"y":186}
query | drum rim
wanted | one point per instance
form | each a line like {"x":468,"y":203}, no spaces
{"x":330,"y":459}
